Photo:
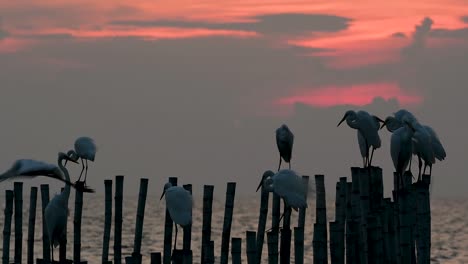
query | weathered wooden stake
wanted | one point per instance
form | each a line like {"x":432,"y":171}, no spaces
{"x":340,"y":218}
{"x":207,"y":212}
{"x":63,"y":244}
{"x":299,"y":245}
{"x":423,"y":220}
{"x":251,"y":247}
{"x":319,"y":242}
{"x":272,"y":238}
{"x":7,"y":226}
{"x":364,"y":181}
{"x":45,"y":235}
{"x":209,"y":253}
{"x":32,"y":223}
{"x":262,"y":218}
{"x":375,"y":245}
{"x":77,"y":227}
{"x":107,"y":220}
{"x":168,"y":230}
{"x":350,"y":233}
{"x":228,"y":210}
{"x":139,"y":220}
{"x":156,"y":258}
{"x":236,"y":250}
{"x":334,"y":241}
{"x":405,"y":225}
{"x":118,"y":219}
{"x":187,"y":235}
{"x":285,"y":246}
{"x":18,"y":191}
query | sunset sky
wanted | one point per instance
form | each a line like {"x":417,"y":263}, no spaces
{"x":195,"y":89}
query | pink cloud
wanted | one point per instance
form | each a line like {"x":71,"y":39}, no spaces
{"x":359,"y":95}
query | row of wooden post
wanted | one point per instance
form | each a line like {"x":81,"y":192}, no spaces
{"x":367,"y":227}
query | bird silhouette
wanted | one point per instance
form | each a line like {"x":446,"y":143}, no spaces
{"x":179,"y":203}
{"x":85,"y":149}
{"x":284,"y":142}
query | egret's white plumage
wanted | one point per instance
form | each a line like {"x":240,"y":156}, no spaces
{"x":287,"y":185}
{"x":179,"y":204}
{"x":368,"y":136}
{"x":85,"y":149}
{"x":56,"y":211}
{"x":284,"y":142}
{"x":401,"y":150}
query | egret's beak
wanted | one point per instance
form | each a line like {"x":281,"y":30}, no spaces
{"x":67,"y":158}
{"x":343,"y":119}
{"x":410,"y":125}
{"x":260,"y":184}
{"x":162,"y":195}
{"x":383,"y":125}
{"x":378,"y":119}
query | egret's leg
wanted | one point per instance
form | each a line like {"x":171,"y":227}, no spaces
{"x":367,"y":154}
{"x":364,"y":161}
{"x":420,"y":166}
{"x":425,"y":166}
{"x":82,"y":168}
{"x":430,"y":169}
{"x":372,"y":155}
{"x":279,"y":166}
{"x":86,"y":171}
{"x":289,"y":164}
{"x":175,"y":241}
{"x":409,"y":167}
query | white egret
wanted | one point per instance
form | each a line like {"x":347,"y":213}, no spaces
{"x":368,"y":136}
{"x":284,"y":142}
{"x":401,"y":147}
{"x":179,"y":203}
{"x":287,"y":185}
{"x":85,"y":149}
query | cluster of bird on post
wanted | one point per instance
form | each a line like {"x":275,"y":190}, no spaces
{"x":56,"y":212}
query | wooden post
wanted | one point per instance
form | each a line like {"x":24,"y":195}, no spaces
{"x":405,"y":225}
{"x":374,"y":240}
{"x":236,"y":250}
{"x":136,"y":255}
{"x":209,"y":253}
{"x":319,"y":242}
{"x":168,"y":230}
{"x":264,"y":197}
{"x":299,"y":245}
{"x":107,"y":220}
{"x":388,"y":233}
{"x":285,"y":246}
{"x":299,"y":234}
{"x":423,"y":220}
{"x":228,"y":210}
{"x":7,"y":226}
{"x":350,"y":233}
{"x":32,"y":223}
{"x":178,"y":256}
{"x":251,"y":247}
{"x":156,"y":258}
{"x":63,"y":243}
{"x":356,"y":212}
{"x":364,"y":181}
{"x":340,"y":218}
{"x":187,"y":235}
{"x":272,"y":238}
{"x":118,"y":219}
{"x":18,"y":192}
{"x":45,"y":234}
{"x":207,"y":212}
{"x":77,"y":227}
{"x":334,"y":241}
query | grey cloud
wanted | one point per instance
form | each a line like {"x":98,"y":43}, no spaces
{"x":418,"y":37}
{"x":464,"y":19}
{"x":450,"y":33}
{"x":268,"y":24}
{"x":3,"y":32}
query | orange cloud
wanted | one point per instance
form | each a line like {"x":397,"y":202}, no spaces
{"x":358,"y":95}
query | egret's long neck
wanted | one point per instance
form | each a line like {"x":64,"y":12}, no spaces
{"x":66,"y":190}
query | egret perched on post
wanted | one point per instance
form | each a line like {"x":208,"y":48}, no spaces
{"x":284,"y":142}
{"x":179,"y":203}
{"x":287,"y":185}
{"x":85,"y":149}
{"x":401,"y":147}
{"x":368,"y":136}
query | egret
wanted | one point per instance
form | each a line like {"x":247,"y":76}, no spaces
{"x":401,"y":147}
{"x":179,"y":203}
{"x":85,"y":149}
{"x":288,"y":186}
{"x":368,"y":136}
{"x":284,"y":142}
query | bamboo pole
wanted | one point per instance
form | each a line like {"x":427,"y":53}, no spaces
{"x":236,"y":250}
{"x":264,"y":197}
{"x":77,"y":227}
{"x":423,"y":220}
{"x":340,"y":218}
{"x":9,"y":195}
{"x":319,"y":242}
{"x":405,"y":226}
{"x":209,"y":253}
{"x":350,"y":233}
{"x":63,"y":243}
{"x":168,"y":230}
{"x":356,"y":211}
{"x":32,"y":223}
{"x":251,"y":247}
{"x":107,"y":220}
{"x":272,"y":238}
{"x":334,"y":241}
{"x":207,"y":212}
{"x":18,"y":192}
{"x":45,"y":235}
{"x":299,"y":245}
{"x":136,"y":255}
{"x":299,"y":233}
{"x":187,"y":235}
{"x":364,"y":181}
{"x":228,"y":210}
{"x":118,"y":219}
{"x":374,"y":240}
{"x":285,"y":247}
{"x":156,"y":258}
